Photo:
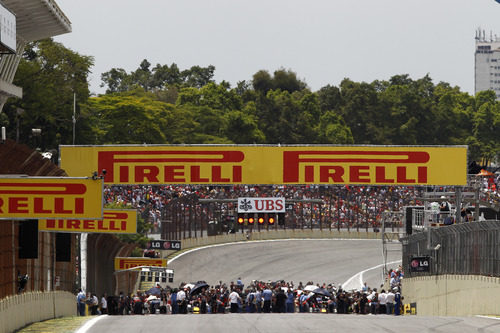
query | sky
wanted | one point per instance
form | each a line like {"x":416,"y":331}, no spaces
{"x":323,"y":41}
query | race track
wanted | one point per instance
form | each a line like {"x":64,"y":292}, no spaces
{"x":323,"y":260}
{"x":331,"y":261}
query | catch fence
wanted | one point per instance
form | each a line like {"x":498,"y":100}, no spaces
{"x":467,"y":249}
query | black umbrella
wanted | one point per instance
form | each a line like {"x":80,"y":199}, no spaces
{"x":154,"y":291}
{"x":198,"y":287}
{"x":322,"y":291}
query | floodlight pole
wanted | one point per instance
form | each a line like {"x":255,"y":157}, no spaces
{"x":74,"y":116}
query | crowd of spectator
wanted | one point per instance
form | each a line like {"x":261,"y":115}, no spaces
{"x":261,"y":297}
{"x":342,"y":206}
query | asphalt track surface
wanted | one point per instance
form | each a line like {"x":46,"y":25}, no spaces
{"x":322,"y":260}
{"x":286,"y":323}
{"x":328,"y":261}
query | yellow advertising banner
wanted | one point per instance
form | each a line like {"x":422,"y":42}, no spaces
{"x":114,"y":221}
{"x":224,"y":164}
{"x":47,"y":197}
{"x":122,"y":263}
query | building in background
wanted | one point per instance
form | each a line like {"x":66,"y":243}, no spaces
{"x":25,"y":252}
{"x":21,"y":22}
{"x":487,"y":63}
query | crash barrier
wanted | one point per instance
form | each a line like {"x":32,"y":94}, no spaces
{"x":277,"y":234}
{"x":453,"y":295}
{"x":465,"y":248}
{"x":20,"y":310}
{"x":189,"y":243}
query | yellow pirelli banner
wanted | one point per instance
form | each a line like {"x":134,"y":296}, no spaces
{"x":122,"y":263}
{"x":223,"y":164}
{"x":114,"y":221}
{"x":50,"y":197}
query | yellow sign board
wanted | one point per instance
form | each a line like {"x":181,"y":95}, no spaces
{"x":122,"y":263}
{"x":114,"y":221}
{"x":47,"y":197}
{"x":206,"y":164}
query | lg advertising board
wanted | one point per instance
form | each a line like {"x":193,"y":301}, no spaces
{"x":225,"y":164}
{"x":50,"y":197}
{"x":114,"y":221}
{"x":164,"y":245}
{"x":420,"y":264}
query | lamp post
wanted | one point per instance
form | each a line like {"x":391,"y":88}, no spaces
{"x":36,"y":132}
{"x":74,"y":117}
{"x":19,"y":112}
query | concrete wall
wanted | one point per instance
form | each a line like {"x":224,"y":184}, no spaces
{"x":277,"y":234}
{"x":453,"y":295}
{"x":20,"y":310}
{"x":101,"y":252}
{"x":41,"y":270}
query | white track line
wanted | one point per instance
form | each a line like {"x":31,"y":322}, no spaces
{"x":89,"y":324}
{"x":487,"y":317}
{"x":360,"y":275}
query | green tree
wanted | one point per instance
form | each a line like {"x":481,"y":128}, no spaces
{"x":486,"y":127}
{"x":281,"y":80}
{"x":157,"y":78}
{"x":332,"y":129}
{"x":130,"y":117}
{"x":50,"y":74}
{"x":241,"y":127}
{"x":215,"y":96}
{"x":360,"y":111}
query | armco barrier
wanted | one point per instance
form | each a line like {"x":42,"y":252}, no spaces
{"x":277,"y":234}
{"x":20,"y":310}
{"x":453,"y":295}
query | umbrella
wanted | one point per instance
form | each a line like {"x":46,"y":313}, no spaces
{"x":189,"y":285}
{"x":198,"y":287}
{"x":154,"y":291}
{"x":322,"y":291}
{"x":152,"y":297}
{"x":310,"y":287}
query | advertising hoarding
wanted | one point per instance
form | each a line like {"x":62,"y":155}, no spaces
{"x":7,"y":31}
{"x":420,"y":264}
{"x":164,"y":245}
{"x":122,"y":263}
{"x":261,"y":205}
{"x":114,"y":221}
{"x":50,"y":197}
{"x":225,"y":164}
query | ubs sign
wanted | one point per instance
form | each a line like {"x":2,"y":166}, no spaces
{"x":261,"y":205}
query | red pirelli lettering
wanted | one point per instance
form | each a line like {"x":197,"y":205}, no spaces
{"x":115,"y":215}
{"x":292,"y":161}
{"x":108,"y":159}
{"x":42,"y":188}
{"x":18,"y":205}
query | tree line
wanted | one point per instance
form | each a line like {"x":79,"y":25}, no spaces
{"x":164,"y":104}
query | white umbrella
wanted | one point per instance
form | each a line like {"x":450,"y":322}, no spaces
{"x":188,"y":285}
{"x":152,"y":297}
{"x":310,"y":287}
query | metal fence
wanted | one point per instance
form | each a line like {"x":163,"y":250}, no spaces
{"x":190,"y":216}
{"x":467,"y":248}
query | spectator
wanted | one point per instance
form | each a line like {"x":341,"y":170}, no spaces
{"x":234,"y":298}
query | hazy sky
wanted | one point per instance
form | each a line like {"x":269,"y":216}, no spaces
{"x":323,"y":41}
